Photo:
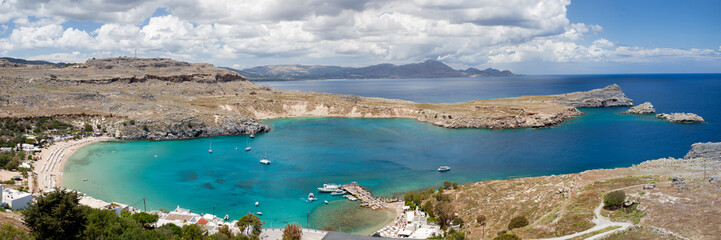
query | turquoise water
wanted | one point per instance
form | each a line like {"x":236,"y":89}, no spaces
{"x":390,"y":155}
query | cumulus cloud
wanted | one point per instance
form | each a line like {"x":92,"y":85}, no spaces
{"x":229,"y":32}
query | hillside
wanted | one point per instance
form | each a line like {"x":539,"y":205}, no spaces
{"x":160,"y":99}
{"x":426,"y":69}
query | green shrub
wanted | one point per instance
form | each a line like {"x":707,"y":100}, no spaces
{"x":614,"y":199}
{"x":457,"y":222}
{"x":518,"y":222}
{"x":447,"y":185}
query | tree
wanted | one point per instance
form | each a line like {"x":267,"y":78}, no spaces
{"x":56,"y":215}
{"x":225,"y":230}
{"x":10,"y":232}
{"x":457,"y":222}
{"x":444,"y":213}
{"x":104,"y":224}
{"x":447,"y":185}
{"x":428,"y":207}
{"x":507,"y":236}
{"x":292,"y":232}
{"x":193,"y":232}
{"x":145,"y":219}
{"x":88,"y":128}
{"x":482,"y":220}
{"x":518,"y":222}
{"x":455,"y":185}
{"x":253,"y":221}
{"x":614,"y":199}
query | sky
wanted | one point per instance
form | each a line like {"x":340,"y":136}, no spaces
{"x":525,"y":36}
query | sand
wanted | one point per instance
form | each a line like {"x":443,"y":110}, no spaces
{"x":52,"y":161}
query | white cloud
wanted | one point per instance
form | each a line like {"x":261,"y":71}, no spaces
{"x":228,"y":32}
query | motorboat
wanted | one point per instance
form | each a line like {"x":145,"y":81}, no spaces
{"x":350,"y":197}
{"x":444,"y":169}
{"x":257,"y":203}
{"x":247,"y":148}
{"x":329,"y":187}
{"x":338,"y":192}
{"x":311,"y":197}
{"x":258,"y":213}
{"x":326,"y":201}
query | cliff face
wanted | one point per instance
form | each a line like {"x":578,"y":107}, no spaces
{"x":609,"y":96}
{"x":709,"y":150}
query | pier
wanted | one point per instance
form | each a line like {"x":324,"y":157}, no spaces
{"x":367,"y":199}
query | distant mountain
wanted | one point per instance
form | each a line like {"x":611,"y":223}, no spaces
{"x":427,"y":69}
{"x":30,"y":62}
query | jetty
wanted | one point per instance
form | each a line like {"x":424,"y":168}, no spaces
{"x":367,"y":199}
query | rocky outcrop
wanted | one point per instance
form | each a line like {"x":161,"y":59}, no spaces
{"x":709,"y":150}
{"x":610,"y":96}
{"x":170,"y":130}
{"x":643,"y":108}
{"x":681,"y":117}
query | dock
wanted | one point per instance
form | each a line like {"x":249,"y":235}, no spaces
{"x":367,"y":199}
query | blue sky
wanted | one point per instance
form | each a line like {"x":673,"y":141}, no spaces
{"x":525,"y":36}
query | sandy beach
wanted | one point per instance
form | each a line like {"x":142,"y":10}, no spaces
{"x":52,"y":161}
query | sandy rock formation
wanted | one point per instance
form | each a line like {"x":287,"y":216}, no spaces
{"x":681,"y":117}
{"x":609,"y":96}
{"x":643,"y":108}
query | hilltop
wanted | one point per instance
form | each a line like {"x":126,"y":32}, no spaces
{"x":161,"y":99}
{"x":426,"y":69}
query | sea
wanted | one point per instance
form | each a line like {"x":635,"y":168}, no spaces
{"x":392,"y":156}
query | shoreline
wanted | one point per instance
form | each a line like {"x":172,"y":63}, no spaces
{"x":51,"y":166}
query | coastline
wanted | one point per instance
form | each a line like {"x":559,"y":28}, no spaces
{"x":51,"y":166}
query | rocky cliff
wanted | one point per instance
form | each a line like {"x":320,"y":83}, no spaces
{"x":681,"y":117}
{"x":709,"y":150}
{"x":609,"y":96}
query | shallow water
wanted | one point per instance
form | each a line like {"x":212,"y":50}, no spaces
{"x":393,"y":155}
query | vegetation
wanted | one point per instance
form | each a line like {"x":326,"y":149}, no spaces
{"x":10,"y":232}
{"x":292,"y":232}
{"x":631,"y":213}
{"x":57,"y":215}
{"x":507,"y":236}
{"x":614,"y":199}
{"x":518,"y":222}
{"x":253,"y":221}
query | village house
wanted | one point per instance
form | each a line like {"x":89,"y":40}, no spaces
{"x":15,"y":199}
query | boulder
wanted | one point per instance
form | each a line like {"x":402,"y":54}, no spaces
{"x":681,"y":117}
{"x":643,"y":108}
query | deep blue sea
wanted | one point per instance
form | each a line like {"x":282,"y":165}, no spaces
{"x":391,"y":156}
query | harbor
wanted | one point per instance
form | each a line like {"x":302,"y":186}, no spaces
{"x":367,"y":199}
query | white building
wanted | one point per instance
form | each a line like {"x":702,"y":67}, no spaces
{"x":15,"y":199}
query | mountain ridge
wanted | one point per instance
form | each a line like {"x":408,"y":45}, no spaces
{"x":425,"y":69}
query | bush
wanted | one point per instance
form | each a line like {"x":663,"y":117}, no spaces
{"x":457,"y":222}
{"x":614,"y":199}
{"x":518,"y":222}
{"x":481,"y":220}
{"x":455,"y":185}
{"x":292,"y":232}
{"x":447,"y":185}
{"x":507,"y":236}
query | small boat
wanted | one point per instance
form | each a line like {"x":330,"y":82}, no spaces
{"x":210,"y":150}
{"x":85,"y":180}
{"x":311,"y":197}
{"x":350,"y":197}
{"x":258,"y":213}
{"x":329,"y":187}
{"x":247,"y":148}
{"x":156,"y":155}
{"x":265,"y":159}
{"x":338,"y":192}
{"x":252,"y":135}
{"x":444,"y":169}
{"x":326,"y":201}
{"x":236,"y":148}
{"x":226,"y":218}
{"x":256,"y":204}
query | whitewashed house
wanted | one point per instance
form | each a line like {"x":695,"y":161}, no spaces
{"x":15,"y":199}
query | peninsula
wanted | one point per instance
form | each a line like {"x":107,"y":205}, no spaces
{"x":163,"y":99}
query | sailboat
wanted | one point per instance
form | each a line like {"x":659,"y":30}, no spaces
{"x":210,"y":150}
{"x":247,"y":148}
{"x":265,"y":159}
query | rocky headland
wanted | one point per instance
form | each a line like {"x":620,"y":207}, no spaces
{"x":163,"y":99}
{"x":709,"y":150}
{"x":609,"y":96}
{"x":643,"y":108}
{"x":681,"y":117}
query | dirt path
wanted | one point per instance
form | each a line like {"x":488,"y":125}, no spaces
{"x":601,"y":222}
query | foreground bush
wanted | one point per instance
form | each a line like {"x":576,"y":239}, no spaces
{"x":518,"y":222}
{"x":292,"y":232}
{"x":507,"y":236}
{"x":614,"y":199}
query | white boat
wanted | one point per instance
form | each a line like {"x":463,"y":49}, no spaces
{"x":326,"y":201}
{"x":258,"y":213}
{"x":444,"y":169}
{"x":338,"y":192}
{"x":247,"y":148}
{"x":226,"y":218}
{"x":350,"y":197}
{"x":252,"y":135}
{"x":256,"y":204}
{"x":265,"y":159}
{"x":210,"y":150}
{"x":329,"y":187}
{"x":311,"y":197}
